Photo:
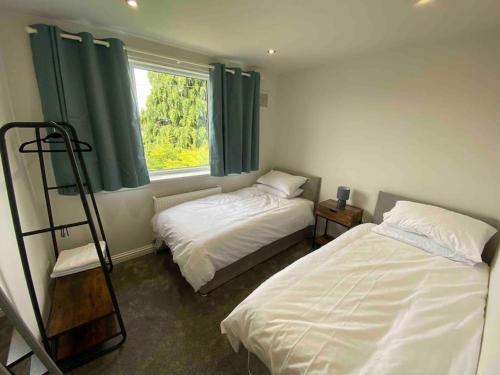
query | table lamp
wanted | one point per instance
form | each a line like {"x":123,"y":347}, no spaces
{"x":343,"y":193}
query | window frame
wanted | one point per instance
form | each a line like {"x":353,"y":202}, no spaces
{"x":161,"y":174}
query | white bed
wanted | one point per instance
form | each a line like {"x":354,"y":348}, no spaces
{"x":366,"y":304}
{"x":211,"y":233}
{"x":350,"y":308}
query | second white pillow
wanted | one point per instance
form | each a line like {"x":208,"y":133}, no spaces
{"x":420,"y":241}
{"x":460,"y":233}
{"x":285,"y":182}
{"x":279,"y":193}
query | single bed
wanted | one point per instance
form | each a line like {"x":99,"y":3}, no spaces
{"x":216,"y":238}
{"x":365,"y":304}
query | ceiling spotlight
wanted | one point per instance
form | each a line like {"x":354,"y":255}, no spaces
{"x":132,"y":3}
{"x":420,"y":3}
{"x":271,"y":51}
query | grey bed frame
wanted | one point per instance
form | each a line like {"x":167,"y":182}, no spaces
{"x":311,"y":191}
{"x":385,"y":202}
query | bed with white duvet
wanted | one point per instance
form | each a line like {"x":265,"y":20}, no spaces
{"x":368,"y":303}
{"x":211,"y":233}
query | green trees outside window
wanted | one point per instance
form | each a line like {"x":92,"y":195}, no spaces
{"x":174,"y":119}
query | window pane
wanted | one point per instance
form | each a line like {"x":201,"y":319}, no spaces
{"x":174,"y":119}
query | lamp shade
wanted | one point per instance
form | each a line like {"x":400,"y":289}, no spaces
{"x":343,"y":193}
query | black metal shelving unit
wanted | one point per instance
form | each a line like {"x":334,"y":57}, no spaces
{"x":85,"y":320}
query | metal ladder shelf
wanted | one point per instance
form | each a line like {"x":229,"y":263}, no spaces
{"x":85,"y":320}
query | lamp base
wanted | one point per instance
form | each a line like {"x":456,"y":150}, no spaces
{"x":341,"y":203}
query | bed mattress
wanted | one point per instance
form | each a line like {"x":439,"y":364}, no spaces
{"x":211,"y":233}
{"x":365,"y":304}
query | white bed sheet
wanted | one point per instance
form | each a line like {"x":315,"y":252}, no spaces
{"x":365,"y":304}
{"x":208,"y":234}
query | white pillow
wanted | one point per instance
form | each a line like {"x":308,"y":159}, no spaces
{"x":285,"y":182}
{"x":279,"y":193}
{"x":422,"y":242}
{"x":460,"y":233}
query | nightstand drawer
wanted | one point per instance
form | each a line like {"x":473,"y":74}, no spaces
{"x":349,"y":217}
{"x":340,"y":216}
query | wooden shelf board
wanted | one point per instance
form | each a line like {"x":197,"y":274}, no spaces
{"x":323,"y":240}
{"x":86,"y":337}
{"x":78,"y":299}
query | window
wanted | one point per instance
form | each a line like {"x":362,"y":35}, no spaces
{"x":174,"y":118}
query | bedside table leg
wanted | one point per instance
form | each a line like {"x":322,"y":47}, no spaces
{"x":314,"y":232}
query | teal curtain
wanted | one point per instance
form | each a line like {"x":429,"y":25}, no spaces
{"x":234,"y":106}
{"x":89,"y":86}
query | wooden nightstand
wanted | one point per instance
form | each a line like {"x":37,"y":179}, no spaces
{"x":348,"y":217}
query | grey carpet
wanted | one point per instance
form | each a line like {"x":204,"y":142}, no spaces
{"x":171,"y":330}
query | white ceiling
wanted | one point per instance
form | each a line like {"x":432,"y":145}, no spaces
{"x":304,"y":32}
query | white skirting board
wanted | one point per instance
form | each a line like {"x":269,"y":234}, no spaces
{"x":133,"y":253}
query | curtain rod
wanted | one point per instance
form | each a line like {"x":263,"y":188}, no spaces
{"x":31,"y":30}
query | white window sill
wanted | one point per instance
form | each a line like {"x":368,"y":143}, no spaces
{"x":171,"y":175}
{"x":162,"y":176}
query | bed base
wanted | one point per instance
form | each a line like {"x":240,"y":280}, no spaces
{"x":254,"y":365}
{"x":244,"y":264}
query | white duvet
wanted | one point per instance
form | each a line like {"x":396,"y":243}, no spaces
{"x":365,"y":304}
{"x":208,"y":234}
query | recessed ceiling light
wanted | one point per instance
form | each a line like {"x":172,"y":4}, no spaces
{"x":132,"y":3}
{"x":271,"y":51}
{"x":420,"y":3}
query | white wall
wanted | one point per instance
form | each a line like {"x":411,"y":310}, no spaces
{"x":40,"y":255}
{"x":422,"y":121}
{"x":126,"y":214}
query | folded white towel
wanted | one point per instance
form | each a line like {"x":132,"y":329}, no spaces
{"x":77,"y":260}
